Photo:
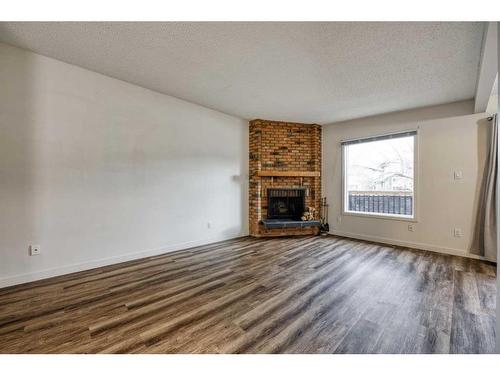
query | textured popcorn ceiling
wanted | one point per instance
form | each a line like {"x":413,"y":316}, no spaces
{"x":306,"y":72}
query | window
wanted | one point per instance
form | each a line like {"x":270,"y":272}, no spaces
{"x":379,"y":175}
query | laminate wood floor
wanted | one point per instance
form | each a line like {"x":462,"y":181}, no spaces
{"x":283,"y":295}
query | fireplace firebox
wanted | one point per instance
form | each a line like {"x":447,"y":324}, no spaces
{"x":285,"y":204}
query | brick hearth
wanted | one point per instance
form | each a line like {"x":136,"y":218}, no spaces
{"x":283,"y":155}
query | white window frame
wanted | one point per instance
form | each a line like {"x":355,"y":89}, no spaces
{"x":375,"y":215}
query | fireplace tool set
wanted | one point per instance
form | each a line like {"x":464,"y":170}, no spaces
{"x":324,"y":227}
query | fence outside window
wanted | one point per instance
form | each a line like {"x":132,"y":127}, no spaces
{"x":383,"y":202}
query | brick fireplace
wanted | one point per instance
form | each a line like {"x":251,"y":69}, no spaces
{"x":285,"y":172}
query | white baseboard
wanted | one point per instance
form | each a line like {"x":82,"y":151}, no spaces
{"x":64,"y":270}
{"x":52,"y":272}
{"x":413,"y":245}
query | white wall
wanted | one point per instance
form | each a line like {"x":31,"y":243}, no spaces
{"x":492,"y":106}
{"x":97,"y":171}
{"x":450,"y":138}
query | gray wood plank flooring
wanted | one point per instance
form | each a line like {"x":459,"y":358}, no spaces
{"x":281,"y":295}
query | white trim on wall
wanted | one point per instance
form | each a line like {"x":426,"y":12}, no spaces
{"x":85,"y":266}
{"x":413,"y":245}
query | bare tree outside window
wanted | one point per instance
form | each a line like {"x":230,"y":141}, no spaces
{"x":379,"y":176}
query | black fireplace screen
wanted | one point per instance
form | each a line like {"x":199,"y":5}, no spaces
{"x":285,"y":203}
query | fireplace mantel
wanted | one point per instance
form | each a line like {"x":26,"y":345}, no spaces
{"x":288,"y":174}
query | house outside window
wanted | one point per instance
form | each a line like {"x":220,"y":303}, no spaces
{"x":379,"y":176}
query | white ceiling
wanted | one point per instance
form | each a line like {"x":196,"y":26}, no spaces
{"x":307,"y":72}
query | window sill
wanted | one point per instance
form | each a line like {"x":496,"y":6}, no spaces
{"x":380,"y":216}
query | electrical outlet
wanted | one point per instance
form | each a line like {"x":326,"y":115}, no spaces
{"x":209,"y":225}
{"x":339,"y":219}
{"x":411,"y":228}
{"x":35,"y":250}
{"x":457,"y":232}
